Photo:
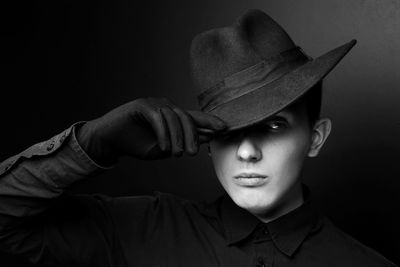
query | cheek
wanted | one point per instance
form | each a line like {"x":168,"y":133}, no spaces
{"x":286,"y":156}
{"x":222,"y":157}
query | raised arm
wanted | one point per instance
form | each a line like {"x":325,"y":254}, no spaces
{"x":32,"y":182}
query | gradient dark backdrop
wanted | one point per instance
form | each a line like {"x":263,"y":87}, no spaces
{"x":66,"y":61}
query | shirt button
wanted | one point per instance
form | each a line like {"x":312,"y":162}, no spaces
{"x":50,"y":146}
{"x":265,"y":231}
{"x":260,"y":263}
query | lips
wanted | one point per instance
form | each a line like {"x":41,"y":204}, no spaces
{"x":250,"y":175}
{"x":250,"y":179}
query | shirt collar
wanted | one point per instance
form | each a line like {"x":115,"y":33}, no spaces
{"x":287,"y":232}
{"x":238,"y":222}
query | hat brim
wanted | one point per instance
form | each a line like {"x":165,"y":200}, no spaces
{"x":257,"y":105}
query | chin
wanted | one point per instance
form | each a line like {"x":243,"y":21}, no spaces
{"x":255,"y":202}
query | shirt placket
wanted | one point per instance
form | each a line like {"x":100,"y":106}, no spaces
{"x":263,"y":248}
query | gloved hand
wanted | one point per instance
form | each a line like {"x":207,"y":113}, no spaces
{"x":147,"y":128}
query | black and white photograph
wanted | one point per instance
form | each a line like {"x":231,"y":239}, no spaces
{"x":206,"y":133}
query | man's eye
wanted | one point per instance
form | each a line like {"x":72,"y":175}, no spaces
{"x":276,"y":125}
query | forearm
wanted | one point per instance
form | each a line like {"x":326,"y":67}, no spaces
{"x":39,"y":225}
{"x":29,"y":180}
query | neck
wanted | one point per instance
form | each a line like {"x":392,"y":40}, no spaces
{"x":292,"y":200}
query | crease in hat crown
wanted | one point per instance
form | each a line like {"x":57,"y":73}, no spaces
{"x":252,"y":69}
{"x":231,"y":61}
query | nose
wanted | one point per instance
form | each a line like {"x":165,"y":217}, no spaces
{"x":248,"y":150}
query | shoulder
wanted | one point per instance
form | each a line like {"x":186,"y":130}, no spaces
{"x":156,"y":206}
{"x":137,"y":219}
{"x":347,"y":250}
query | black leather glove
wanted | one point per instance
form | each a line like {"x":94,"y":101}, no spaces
{"x":147,"y":128}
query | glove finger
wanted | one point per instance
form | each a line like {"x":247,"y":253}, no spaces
{"x":159,"y":126}
{"x":189,"y":131}
{"x":204,"y":120}
{"x":175,"y":130}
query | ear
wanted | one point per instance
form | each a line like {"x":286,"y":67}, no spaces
{"x":320,"y":132}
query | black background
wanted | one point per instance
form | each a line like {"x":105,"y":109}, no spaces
{"x":65,"y":61}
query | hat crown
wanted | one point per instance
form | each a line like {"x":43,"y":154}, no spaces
{"x":220,"y":53}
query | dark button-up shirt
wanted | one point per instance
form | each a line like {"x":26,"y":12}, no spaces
{"x":39,"y":222}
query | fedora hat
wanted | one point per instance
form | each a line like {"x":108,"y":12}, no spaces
{"x":251,"y":70}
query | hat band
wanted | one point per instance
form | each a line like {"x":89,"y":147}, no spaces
{"x":252,"y":78}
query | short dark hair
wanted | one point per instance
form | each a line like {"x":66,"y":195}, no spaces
{"x":313,"y":100}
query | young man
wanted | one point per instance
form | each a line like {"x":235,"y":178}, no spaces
{"x":260,"y":99}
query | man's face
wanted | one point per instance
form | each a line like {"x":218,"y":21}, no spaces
{"x":273,"y":151}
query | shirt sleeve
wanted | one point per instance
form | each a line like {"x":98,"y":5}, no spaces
{"x":38,"y":221}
